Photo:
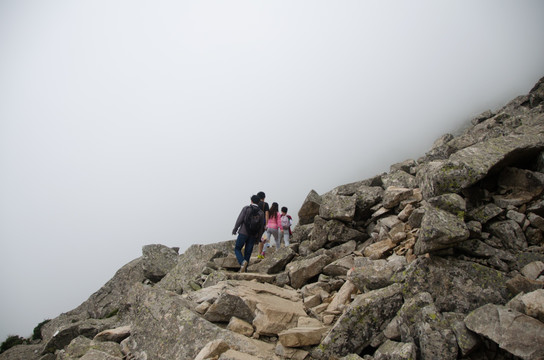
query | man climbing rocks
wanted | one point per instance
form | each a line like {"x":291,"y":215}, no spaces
{"x":250,"y":224}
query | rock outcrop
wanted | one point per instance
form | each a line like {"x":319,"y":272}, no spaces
{"x":441,"y":258}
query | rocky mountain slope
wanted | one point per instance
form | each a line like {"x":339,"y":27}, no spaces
{"x":440,"y":258}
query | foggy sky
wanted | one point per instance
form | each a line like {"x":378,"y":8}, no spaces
{"x":126,"y":123}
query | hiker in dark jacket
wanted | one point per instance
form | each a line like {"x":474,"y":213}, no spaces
{"x":246,"y":239}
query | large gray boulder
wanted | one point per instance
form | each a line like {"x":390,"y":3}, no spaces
{"x":376,"y":274}
{"x":300,"y":271}
{"x":440,"y":230}
{"x":366,"y":316}
{"x":399,"y":178}
{"x":64,"y":335}
{"x":471,"y":164}
{"x":332,"y":231}
{"x":419,"y":321}
{"x":510,"y":234}
{"x":164,"y":328}
{"x":338,"y":207}
{"x":158,"y":260}
{"x":391,"y":350}
{"x":191,"y":263}
{"x":310,"y":208}
{"x":519,"y":334}
{"x":26,"y":352}
{"x":456,"y":285}
{"x":275,"y":262}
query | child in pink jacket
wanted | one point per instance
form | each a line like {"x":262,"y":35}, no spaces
{"x":273,"y":227}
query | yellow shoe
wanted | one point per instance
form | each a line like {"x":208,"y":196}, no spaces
{"x":260,"y":257}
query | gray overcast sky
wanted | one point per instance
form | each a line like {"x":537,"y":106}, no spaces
{"x":125,"y":123}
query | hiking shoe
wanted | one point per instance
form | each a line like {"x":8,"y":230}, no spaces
{"x":244,"y":267}
{"x":260,"y":257}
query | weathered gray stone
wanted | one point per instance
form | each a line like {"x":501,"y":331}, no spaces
{"x":456,"y":285}
{"x":393,"y":195}
{"x":157,"y":261}
{"x":475,"y":247}
{"x":301,"y":233}
{"x":531,"y":304}
{"x":466,"y":340}
{"x":440,"y":149}
{"x":81,"y":345}
{"x":94,"y":354}
{"x":227,"y":262}
{"x":274,"y":263}
{"x":301,"y":336}
{"x":405,"y":166}
{"x":533,"y":270}
{"x":471,"y":164}
{"x":191,"y":263}
{"x":391,"y":350}
{"x":440,"y":230}
{"x":399,"y":178}
{"x":342,"y":297}
{"x":339,"y":267}
{"x":116,"y":335}
{"x":520,"y":180}
{"x":485,"y":213}
{"x":516,"y":216}
{"x":536,"y":221}
{"x":367,"y":197}
{"x":380,"y":249}
{"x":240,"y":326}
{"x":519,"y":334}
{"x":519,"y":284}
{"x":406,"y":212}
{"x":366,"y":316}
{"x":290,"y":353}
{"x":164,"y":328}
{"x":332,"y":231}
{"x":68,"y":332}
{"x":451,"y":203}
{"x":228,"y":305}
{"x":338,"y":207}
{"x":376,"y":274}
{"x":26,"y":352}
{"x":534,"y":236}
{"x":213,"y":348}
{"x":415,"y":219}
{"x":310,"y":208}
{"x":537,"y":207}
{"x":301,"y":271}
{"x":341,"y":250}
{"x":510,"y":234}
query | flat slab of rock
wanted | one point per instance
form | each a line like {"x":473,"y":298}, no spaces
{"x":471,"y":164}
{"x":263,"y":278}
{"x":519,"y":334}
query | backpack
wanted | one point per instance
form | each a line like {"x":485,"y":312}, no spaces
{"x":253,"y":221}
{"x":285,"y":221}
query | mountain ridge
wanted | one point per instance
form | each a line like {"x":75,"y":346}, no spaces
{"x":441,"y":257}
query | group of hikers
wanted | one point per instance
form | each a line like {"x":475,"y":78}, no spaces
{"x":258,"y":222}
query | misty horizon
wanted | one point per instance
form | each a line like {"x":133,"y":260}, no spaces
{"x":131,"y":123}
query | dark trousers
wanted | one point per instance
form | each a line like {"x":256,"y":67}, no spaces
{"x":247,"y":242}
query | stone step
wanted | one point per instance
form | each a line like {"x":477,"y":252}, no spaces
{"x":263,"y":278}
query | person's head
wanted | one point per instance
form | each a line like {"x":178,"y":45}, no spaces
{"x":274,"y":209}
{"x":261,"y":195}
{"x":255,"y":199}
{"x":283,"y":210}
